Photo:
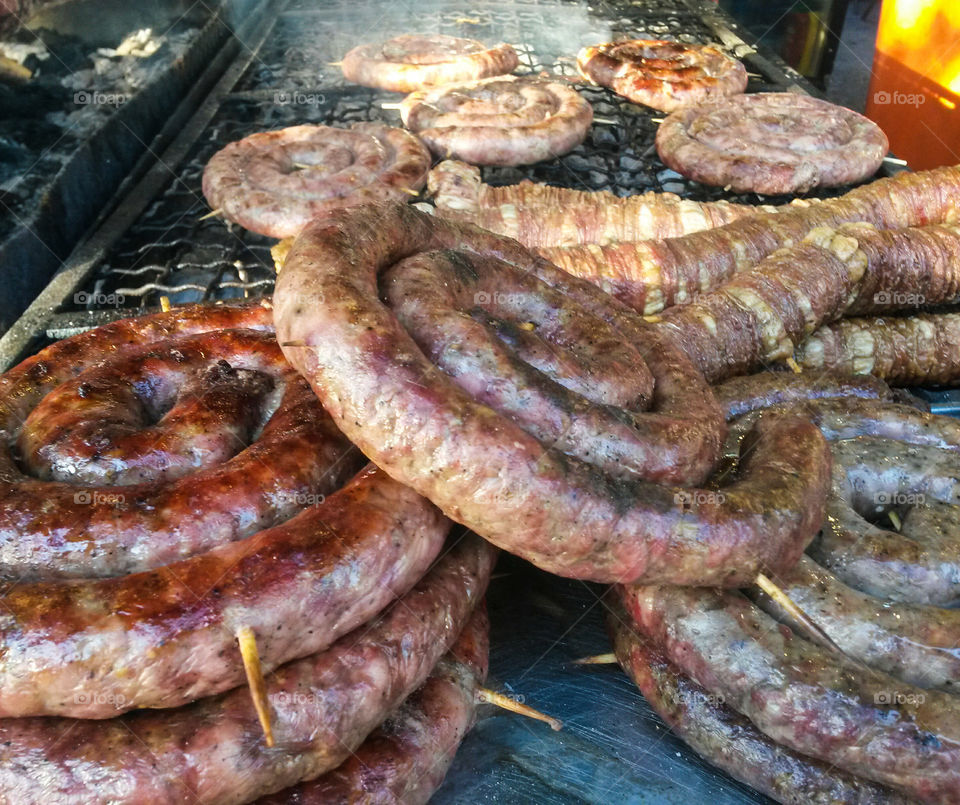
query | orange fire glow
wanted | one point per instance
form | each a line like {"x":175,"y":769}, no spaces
{"x":925,"y":35}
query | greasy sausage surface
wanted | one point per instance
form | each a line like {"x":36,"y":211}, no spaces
{"x":726,"y":739}
{"x":490,"y":453}
{"x":92,"y":649}
{"x":405,"y":759}
{"x":803,"y":696}
{"x":322,"y":707}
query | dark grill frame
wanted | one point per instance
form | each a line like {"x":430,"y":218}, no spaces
{"x":157,"y":243}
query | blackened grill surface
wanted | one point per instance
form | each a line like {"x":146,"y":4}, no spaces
{"x":170,"y":252}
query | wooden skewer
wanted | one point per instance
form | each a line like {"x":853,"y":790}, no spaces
{"x":801,"y":617}
{"x":210,"y":214}
{"x":492,"y":697}
{"x":797,"y":369}
{"x":606,"y":121}
{"x":895,"y":161}
{"x":657,"y":119}
{"x":334,"y":63}
{"x":409,"y":191}
{"x":895,"y":519}
{"x":302,"y":165}
{"x":390,"y":105}
{"x":597,"y":659}
{"x":164,"y":303}
{"x":258,"y":688}
{"x":292,"y":344}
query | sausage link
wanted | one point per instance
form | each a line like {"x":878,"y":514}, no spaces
{"x":726,"y":739}
{"x":211,"y":751}
{"x":912,"y":642}
{"x":805,"y":697}
{"x":541,"y":216}
{"x":651,"y":275}
{"x":919,"y":350}
{"x":93,"y":649}
{"x":564,"y":512}
{"x":405,"y":759}
{"x":740,"y":395}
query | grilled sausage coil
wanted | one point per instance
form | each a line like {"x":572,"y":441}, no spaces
{"x":663,"y":75}
{"x":508,"y":120}
{"x":410,"y":62}
{"x":322,"y":707}
{"x":257,"y":541}
{"x":554,"y":460}
{"x":725,"y":738}
{"x":771,"y":142}
{"x":273,"y":182}
{"x":405,"y":759}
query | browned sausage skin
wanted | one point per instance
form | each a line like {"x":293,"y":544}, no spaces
{"x":92,"y":649}
{"x":805,"y":697}
{"x":322,"y":707}
{"x":726,"y":739}
{"x":81,"y":415}
{"x":919,"y":350}
{"x":405,"y":759}
{"x":412,"y":61}
{"x":650,"y":275}
{"x":505,"y":120}
{"x":464,"y":442}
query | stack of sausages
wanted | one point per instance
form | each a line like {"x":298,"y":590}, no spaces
{"x":172,"y":489}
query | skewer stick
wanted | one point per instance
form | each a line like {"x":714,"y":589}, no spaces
{"x":492,"y":697}
{"x":334,"y":63}
{"x":390,"y":105}
{"x":657,"y":119}
{"x":895,"y":161}
{"x":895,"y":519}
{"x":164,"y":303}
{"x":797,"y":369}
{"x":293,"y":344}
{"x":210,"y":214}
{"x":258,"y":688}
{"x":409,"y":191}
{"x":786,"y":603}
{"x":606,"y":121}
{"x":597,"y":659}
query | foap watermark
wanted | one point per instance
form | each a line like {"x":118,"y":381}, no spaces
{"x":693,"y":698}
{"x":93,"y":97}
{"x":483,"y":298}
{"x":91,"y":498}
{"x":895,"y":98}
{"x":116,"y":700}
{"x":895,"y":697}
{"x":295,"y":698}
{"x":899,"y":498}
{"x":299,"y":499}
{"x":692,"y":498}
{"x":85,"y":299}
{"x":297,"y":98}
{"x":899,"y":298}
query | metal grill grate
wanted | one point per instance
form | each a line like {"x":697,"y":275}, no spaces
{"x":170,"y":252}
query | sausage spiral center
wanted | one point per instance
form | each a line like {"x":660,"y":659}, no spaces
{"x":518,"y":399}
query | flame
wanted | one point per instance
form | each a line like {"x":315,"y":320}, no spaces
{"x":924,"y":35}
